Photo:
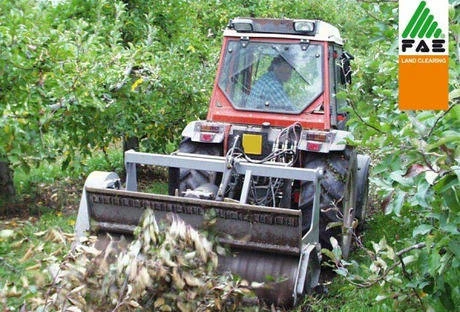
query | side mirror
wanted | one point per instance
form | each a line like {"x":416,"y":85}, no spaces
{"x":345,"y":66}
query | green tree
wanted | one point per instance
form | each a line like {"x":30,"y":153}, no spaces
{"x":416,"y":172}
{"x":56,"y":69}
{"x":79,"y":75}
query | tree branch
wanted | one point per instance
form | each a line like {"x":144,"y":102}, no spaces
{"x":362,"y":120}
{"x":407,"y":275}
{"x":368,"y":284}
{"x":437,"y":120}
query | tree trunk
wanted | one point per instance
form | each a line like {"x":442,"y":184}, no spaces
{"x":130,"y":143}
{"x":7,"y":190}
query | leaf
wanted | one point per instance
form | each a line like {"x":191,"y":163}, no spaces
{"x":331,"y":225}
{"x":397,"y":176}
{"x":408,"y":259}
{"x":337,"y":251}
{"x":454,"y":94}
{"x":395,"y":205}
{"x":342,"y":271}
{"x":165,"y":308}
{"x":184,"y":307}
{"x":334,"y":242}
{"x":446,"y":182}
{"x":136,"y":84}
{"x":415,"y":170}
{"x":177,"y":279}
{"x":256,"y":285}
{"x":380,"y":298}
{"x":134,"y":304}
{"x":73,"y":309}
{"x":452,"y":138}
{"x":329,"y":254}
{"x":27,"y":255}
{"x":77,"y":289}
{"x":430,"y":176}
{"x":4,"y":234}
{"x":390,"y":253}
{"x":55,"y":235}
{"x":450,"y":228}
{"x":159,"y":302}
{"x":192,"y":280}
{"x":33,"y":267}
{"x":191,"y":49}
{"x":66,"y":162}
{"x":422,"y":229}
{"x":41,"y":233}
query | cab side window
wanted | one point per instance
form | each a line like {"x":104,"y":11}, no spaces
{"x":340,"y":74}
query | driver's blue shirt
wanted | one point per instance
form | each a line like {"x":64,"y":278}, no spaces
{"x":268,"y":92}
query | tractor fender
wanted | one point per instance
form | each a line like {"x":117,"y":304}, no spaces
{"x":189,"y":130}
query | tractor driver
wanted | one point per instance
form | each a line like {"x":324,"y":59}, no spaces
{"x":268,"y":91}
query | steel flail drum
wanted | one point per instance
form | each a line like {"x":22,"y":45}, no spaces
{"x":282,"y":282}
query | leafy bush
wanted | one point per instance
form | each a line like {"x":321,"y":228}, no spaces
{"x":77,"y":75}
{"x":416,"y":175}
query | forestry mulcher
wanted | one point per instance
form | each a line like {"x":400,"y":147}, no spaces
{"x":271,"y":160}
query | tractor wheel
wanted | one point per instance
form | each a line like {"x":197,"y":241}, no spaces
{"x":338,"y":196}
{"x":190,"y":179}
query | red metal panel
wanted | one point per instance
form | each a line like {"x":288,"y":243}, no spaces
{"x":327,"y":95}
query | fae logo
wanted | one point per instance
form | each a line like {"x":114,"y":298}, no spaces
{"x":423,"y":25}
{"x":423,"y":54}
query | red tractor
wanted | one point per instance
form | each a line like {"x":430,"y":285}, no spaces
{"x":301,"y":124}
{"x":271,"y":159}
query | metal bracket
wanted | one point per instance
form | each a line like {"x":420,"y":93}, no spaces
{"x":100,"y":179}
{"x":244,"y":41}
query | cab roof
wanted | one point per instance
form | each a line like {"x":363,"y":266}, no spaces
{"x":283,"y":28}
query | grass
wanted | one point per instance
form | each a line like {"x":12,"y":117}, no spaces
{"x":46,"y":173}
{"x":27,"y":249}
{"x":338,"y":294}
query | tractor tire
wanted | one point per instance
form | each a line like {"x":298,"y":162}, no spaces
{"x":190,"y":179}
{"x":338,"y":193}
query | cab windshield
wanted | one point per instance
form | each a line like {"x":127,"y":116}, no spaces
{"x":272,"y":77}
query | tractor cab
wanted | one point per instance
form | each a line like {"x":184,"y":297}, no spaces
{"x":280,"y":72}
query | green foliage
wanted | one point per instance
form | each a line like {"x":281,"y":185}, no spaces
{"x":78,"y":75}
{"x":416,"y":173}
{"x":71,"y":84}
